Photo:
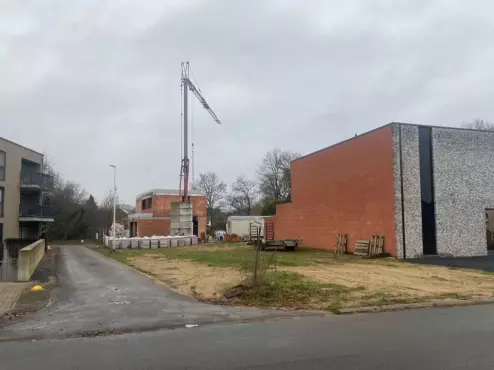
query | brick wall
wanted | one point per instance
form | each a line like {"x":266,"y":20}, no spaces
{"x":139,"y":207}
{"x":201,"y":226}
{"x":347,"y":188}
{"x":162,"y":205}
{"x":153,"y":227}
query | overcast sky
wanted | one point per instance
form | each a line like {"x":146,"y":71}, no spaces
{"x":91,"y":82}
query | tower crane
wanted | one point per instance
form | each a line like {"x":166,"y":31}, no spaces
{"x":188,"y":85}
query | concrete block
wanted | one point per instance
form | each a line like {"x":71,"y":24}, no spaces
{"x":29,"y":258}
{"x":181,"y":218}
{"x":145,"y":243}
{"x":154,"y":243}
{"x":134,"y":243}
{"x":164,"y":243}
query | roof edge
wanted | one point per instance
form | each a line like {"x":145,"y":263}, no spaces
{"x":21,"y":146}
{"x":172,"y":192}
{"x":391,"y":124}
{"x":346,"y":140}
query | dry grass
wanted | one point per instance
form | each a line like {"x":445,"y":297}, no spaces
{"x":408,"y":280}
{"x":306,"y":279}
{"x":194,"y":279}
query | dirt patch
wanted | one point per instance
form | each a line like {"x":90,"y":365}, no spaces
{"x":399,"y":279}
{"x":308,"y":279}
{"x":198,"y":280}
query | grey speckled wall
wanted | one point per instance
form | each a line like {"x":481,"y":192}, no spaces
{"x":411,"y":190}
{"x":464,"y":187}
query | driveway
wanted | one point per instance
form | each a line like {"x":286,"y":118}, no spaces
{"x":98,"y":295}
{"x":485,"y":263}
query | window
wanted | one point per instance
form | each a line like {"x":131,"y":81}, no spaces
{"x":147,"y":203}
{"x":427,"y":191}
{"x":1,"y":203}
{"x":2,"y":165}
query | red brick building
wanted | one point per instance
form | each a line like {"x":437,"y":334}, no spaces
{"x":346,"y":188}
{"x":427,"y":189}
{"x":152,"y":215}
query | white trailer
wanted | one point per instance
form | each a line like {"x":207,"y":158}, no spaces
{"x":240,"y":225}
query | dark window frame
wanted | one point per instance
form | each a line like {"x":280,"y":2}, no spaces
{"x":147,"y":203}
{"x":2,"y":178}
{"x":2,"y":198}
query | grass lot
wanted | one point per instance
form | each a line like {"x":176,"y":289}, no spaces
{"x":304,"y":279}
{"x":235,"y":255}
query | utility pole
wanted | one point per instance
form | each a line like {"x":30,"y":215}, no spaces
{"x":114,"y":203}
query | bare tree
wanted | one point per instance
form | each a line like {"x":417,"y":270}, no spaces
{"x":274,"y":174}
{"x":242,"y":196}
{"x":479,"y":124}
{"x":105,"y":214}
{"x":213,"y":188}
{"x":129,"y":208}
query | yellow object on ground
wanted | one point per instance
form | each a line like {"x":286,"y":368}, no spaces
{"x":49,"y":247}
{"x":37,"y":288}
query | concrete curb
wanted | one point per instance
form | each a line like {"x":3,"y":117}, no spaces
{"x":409,"y":306}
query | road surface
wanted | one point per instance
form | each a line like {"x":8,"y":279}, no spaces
{"x":100,"y":295}
{"x":428,"y":339}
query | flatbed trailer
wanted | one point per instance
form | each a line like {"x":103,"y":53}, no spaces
{"x":285,"y":244}
{"x":268,"y":242}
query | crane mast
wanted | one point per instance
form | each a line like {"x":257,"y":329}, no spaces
{"x":188,"y":85}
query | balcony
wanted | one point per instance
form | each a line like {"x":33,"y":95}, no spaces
{"x":37,"y":212}
{"x":36,"y":180}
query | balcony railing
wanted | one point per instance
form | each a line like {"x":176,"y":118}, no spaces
{"x":39,"y":180}
{"x":36,"y":211}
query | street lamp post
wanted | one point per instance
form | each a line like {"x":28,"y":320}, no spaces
{"x":114,"y":203}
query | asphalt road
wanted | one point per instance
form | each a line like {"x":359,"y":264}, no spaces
{"x":428,"y":339}
{"x":100,"y":295}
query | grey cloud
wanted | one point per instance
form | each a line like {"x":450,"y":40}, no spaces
{"x":94,"y":83}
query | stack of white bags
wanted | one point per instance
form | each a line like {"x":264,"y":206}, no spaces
{"x":150,"y":242}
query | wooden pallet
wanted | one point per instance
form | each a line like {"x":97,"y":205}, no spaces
{"x":361,"y":248}
{"x":253,"y":231}
{"x":269,"y":231}
{"x":376,"y":245}
{"x":341,"y":240}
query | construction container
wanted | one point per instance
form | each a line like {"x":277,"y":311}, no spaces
{"x":164,"y":242}
{"x":145,"y":243}
{"x":154,"y":242}
{"x":134,"y":243}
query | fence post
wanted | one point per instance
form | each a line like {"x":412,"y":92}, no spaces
{"x":258,"y":247}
